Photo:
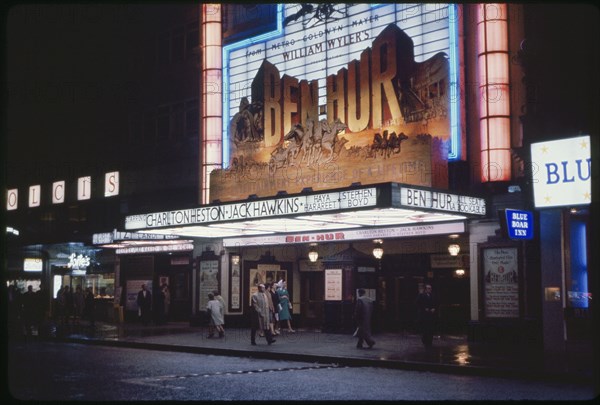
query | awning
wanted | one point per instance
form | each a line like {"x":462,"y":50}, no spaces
{"x":378,"y":206}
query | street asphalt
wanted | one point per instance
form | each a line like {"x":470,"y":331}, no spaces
{"x":449,"y":354}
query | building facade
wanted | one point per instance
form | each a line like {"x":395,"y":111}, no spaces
{"x":336,"y":131}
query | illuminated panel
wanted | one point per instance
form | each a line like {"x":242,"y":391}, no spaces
{"x":212,"y":95}
{"x":310,"y":50}
{"x":562,"y":172}
{"x":494,"y":104}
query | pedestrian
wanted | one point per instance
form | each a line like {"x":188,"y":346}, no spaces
{"x":61,"y":305}
{"x":89,"y":307}
{"x":29,"y":310}
{"x":271,"y":308}
{"x":68,"y":297}
{"x":275,"y":314}
{"x":78,"y":303}
{"x":159,"y":306}
{"x":363,"y":311}
{"x":216,"y":312}
{"x":167,"y":301}
{"x":426,"y":313}
{"x":260,"y":316}
{"x":285,"y":306}
{"x":41,"y":305}
{"x":219,"y":298}
{"x":144,"y":301}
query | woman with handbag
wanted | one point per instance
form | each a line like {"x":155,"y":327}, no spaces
{"x":285,"y":306}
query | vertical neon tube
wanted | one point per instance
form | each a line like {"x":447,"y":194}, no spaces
{"x":494,"y":103}
{"x":212,"y":96}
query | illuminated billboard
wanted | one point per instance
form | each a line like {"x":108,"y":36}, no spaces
{"x":562,"y":172}
{"x":340,"y":94}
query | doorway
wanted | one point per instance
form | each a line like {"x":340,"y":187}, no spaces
{"x":311,"y":298}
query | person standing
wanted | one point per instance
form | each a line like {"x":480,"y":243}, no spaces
{"x":89,"y":307}
{"x":167,"y":301}
{"x":217,"y":313}
{"x":78,"y":303}
{"x":275,"y":315}
{"x":260,"y":316}
{"x":363,"y":311}
{"x":285,"y":306}
{"x":144,"y":301}
{"x":426,"y":314}
{"x":29,"y":310}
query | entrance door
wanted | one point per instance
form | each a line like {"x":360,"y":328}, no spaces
{"x":312,"y":292}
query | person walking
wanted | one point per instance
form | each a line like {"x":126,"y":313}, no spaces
{"x":285,"y":306}
{"x":217,"y":313}
{"x":144,"y":301}
{"x":426,"y":314}
{"x":363,"y":311}
{"x":260,"y":316}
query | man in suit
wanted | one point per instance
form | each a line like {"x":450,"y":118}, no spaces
{"x":426,"y":311}
{"x":144,"y":301}
{"x":362,"y":315}
{"x":260,"y":316}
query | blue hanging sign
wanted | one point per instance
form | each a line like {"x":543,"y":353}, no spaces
{"x":519,"y":224}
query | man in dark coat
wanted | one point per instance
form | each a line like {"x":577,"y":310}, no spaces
{"x":144,"y":301}
{"x":426,"y":312}
{"x":362,"y":315}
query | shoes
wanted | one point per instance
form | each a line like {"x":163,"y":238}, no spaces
{"x":291,"y":331}
{"x":210,"y":336}
{"x":221,"y":334}
{"x":261,"y":335}
{"x":371,"y":345}
{"x":253,"y":343}
{"x":359,"y":347}
{"x":271,"y":341}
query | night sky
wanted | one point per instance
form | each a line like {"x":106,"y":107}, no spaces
{"x":71,"y":74}
{"x":71,"y":79}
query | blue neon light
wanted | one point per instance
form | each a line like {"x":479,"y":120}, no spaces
{"x":579,"y":266}
{"x":454,"y":149}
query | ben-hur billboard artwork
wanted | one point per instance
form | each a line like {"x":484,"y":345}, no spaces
{"x":336,"y":101}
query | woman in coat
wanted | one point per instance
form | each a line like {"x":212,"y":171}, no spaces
{"x":284,"y":306}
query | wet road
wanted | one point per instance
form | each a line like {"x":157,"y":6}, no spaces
{"x":70,"y":371}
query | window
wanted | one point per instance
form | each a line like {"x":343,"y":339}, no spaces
{"x":162,"y":123}
{"x":163,"y":54}
{"x":177,"y":120}
{"x":192,"y":118}
{"x":177,"y":46}
{"x":192,"y":40}
{"x":150,"y":126}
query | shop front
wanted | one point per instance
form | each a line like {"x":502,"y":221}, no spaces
{"x":155,"y":261}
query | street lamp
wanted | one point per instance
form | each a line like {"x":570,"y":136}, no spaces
{"x":235,"y":259}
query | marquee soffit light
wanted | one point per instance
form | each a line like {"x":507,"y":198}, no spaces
{"x":313,"y":255}
{"x":453,"y":249}
{"x":378,"y":249}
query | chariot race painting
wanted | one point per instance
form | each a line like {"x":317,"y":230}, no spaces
{"x":380,"y":117}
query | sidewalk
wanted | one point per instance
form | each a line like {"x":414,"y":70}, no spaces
{"x":449,"y":354}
